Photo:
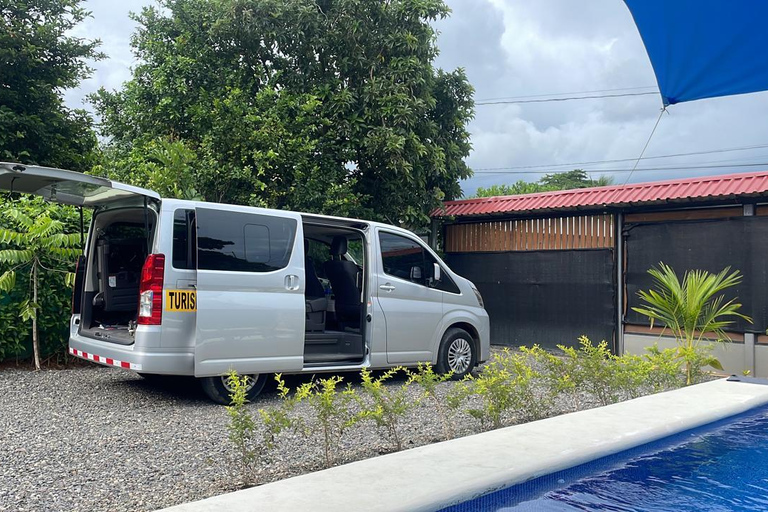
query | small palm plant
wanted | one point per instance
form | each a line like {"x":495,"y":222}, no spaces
{"x":692,"y":309}
{"x":32,"y":245}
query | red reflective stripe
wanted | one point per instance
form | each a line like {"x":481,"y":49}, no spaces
{"x":105,"y":360}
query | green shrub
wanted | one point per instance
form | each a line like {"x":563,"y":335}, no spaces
{"x":562,"y":374}
{"x":251,"y":449}
{"x":332,"y":409}
{"x":508,"y":384}
{"x":533,"y":400}
{"x":242,"y":427}
{"x":596,"y":369}
{"x":426,"y":378}
{"x":278,"y":419}
{"x":385,"y":405}
{"x":591,"y":371}
{"x":495,"y":388}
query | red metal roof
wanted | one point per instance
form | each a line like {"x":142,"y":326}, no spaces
{"x":655,"y":192}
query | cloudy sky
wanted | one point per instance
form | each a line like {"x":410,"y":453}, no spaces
{"x":522,"y":50}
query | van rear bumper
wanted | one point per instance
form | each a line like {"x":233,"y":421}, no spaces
{"x":132,"y":357}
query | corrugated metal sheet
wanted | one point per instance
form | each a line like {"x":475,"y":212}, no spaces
{"x":701,"y":188}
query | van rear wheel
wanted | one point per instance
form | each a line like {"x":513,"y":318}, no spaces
{"x":457,"y":353}
{"x":218,"y":389}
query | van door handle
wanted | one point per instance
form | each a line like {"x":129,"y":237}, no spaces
{"x":291,"y":282}
{"x":387,"y":287}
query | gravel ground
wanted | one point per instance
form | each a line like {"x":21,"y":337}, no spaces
{"x":93,"y":438}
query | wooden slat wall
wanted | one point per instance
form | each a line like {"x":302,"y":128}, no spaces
{"x":540,"y":234}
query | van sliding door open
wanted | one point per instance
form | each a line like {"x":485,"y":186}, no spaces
{"x":250,"y":291}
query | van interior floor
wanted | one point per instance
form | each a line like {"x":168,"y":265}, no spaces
{"x":333,"y":347}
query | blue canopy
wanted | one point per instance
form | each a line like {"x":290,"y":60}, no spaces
{"x":704,"y":48}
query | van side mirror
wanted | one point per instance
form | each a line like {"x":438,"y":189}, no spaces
{"x":416,"y":273}
{"x":436,"y":273}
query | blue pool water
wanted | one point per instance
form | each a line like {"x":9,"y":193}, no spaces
{"x":721,"y":467}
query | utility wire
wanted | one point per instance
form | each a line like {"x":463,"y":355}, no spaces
{"x":643,"y":169}
{"x":553,"y":94}
{"x":548,"y":100}
{"x":664,"y":109}
{"x":595,"y":162}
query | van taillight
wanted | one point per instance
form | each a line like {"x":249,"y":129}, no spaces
{"x":151,"y":290}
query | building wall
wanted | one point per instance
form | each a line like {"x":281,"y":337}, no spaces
{"x":545,"y":280}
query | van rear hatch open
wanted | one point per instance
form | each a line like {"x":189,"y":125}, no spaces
{"x":69,"y":187}
{"x":107,"y":297}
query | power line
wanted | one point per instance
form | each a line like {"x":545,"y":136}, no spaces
{"x":618,"y":160}
{"x":644,"y":169}
{"x":661,"y":114}
{"x":570,"y":98}
{"x":571,"y":93}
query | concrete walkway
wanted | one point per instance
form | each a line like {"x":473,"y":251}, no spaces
{"x":434,"y":476}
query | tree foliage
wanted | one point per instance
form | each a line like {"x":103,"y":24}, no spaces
{"x":33,"y":243}
{"x":329,"y":106}
{"x":576,"y":178}
{"x":39,"y":59}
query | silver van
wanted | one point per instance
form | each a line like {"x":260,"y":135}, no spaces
{"x":173,"y":287}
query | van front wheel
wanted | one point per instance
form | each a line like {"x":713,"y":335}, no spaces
{"x":218,"y":389}
{"x":457,"y":353}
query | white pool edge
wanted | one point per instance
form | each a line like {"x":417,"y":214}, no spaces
{"x":434,"y":476}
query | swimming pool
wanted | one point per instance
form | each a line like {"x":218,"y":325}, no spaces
{"x":719,"y":467}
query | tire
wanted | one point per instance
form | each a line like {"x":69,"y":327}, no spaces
{"x":217,"y":390}
{"x":457,"y":353}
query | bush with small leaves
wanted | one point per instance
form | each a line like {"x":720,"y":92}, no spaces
{"x":562,"y":373}
{"x":332,"y":410}
{"x":277,"y":420}
{"x":665,"y":369}
{"x":532,"y":399}
{"x":596,"y":369}
{"x":252,"y":449}
{"x":495,"y":388}
{"x":385,"y":405}
{"x":242,"y":427}
{"x":426,"y":378}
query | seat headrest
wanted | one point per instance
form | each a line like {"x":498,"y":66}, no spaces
{"x":339,"y":245}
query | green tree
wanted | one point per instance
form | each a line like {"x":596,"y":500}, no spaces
{"x":39,"y":59}
{"x":576,"y":178}
{"x":554,"y":181}
{"x":330,"y":106}
{"x":517,"y":188}
{"x":691,"y":310}
{"x":33,"y":246}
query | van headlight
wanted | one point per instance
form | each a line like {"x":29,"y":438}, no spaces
{"x":477,"y":294}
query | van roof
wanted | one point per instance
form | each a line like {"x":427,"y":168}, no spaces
{"x":174,"y":203}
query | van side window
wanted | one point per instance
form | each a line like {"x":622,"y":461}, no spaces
{"x":184,"y":240}
{"x":401,"y":257}
{"x":243,"y":242}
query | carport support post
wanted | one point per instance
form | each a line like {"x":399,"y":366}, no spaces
{"x":619,"y":253}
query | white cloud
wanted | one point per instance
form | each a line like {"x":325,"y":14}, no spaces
{"x":553,"y":46}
